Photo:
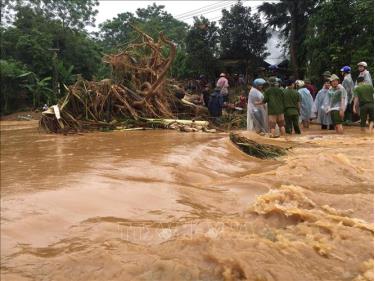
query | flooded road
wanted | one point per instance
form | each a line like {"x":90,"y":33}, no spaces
{"x":164,"y":205}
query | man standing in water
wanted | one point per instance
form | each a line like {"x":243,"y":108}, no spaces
{"x":338,"y":100}
{"x":306,"y":103}
{"x":321,"y":104}
{"x":256,"y":113}
{"x":364,"y":95}
{"x":292,"y":103}
{"x":273,"y":96}
{"x":348,"y":84}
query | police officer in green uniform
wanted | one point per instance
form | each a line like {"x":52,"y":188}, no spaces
{"x":364,"y":95}
{"x":273,"y":96}
{"x":292,"y":104}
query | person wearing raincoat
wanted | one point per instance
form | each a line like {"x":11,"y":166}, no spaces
{"x":337,"y":103}
{"x":348,"y":84}
{"x":320,"y":106}
{"x":306,"y":103}
{"x":256,"y":113}
{"x":363,"y":72}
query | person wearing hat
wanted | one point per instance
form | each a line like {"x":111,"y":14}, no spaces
{"x":306,"y":103}
{"x":326,"y":75}
{"x":321,"y":103}
{"x":273,"y":96}
{"x":256,"y":112}
{"x":223,"y":84}
{"x":337,"y":103}
{"x":363,"y":72}
{"x":364,"y":96}
{"x":292,"y":104}
{"x":348,"y":84}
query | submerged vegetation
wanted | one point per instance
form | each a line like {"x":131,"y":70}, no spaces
{"x":252,"y":148}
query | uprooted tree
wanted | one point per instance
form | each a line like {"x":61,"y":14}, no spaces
{"x":138,"y":89}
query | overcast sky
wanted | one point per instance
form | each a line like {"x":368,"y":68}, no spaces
{"x":184,"y":11}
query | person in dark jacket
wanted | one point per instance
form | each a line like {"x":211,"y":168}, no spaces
{"x":215,"y":103}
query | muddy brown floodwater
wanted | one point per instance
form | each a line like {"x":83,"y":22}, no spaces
{"x":164,"y":205}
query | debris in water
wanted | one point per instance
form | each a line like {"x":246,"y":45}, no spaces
{"x":255,"y":149}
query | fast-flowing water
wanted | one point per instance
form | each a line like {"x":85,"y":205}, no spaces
{"x":164,"y":205}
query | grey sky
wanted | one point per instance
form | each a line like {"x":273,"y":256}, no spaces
{"x":183,"y":10}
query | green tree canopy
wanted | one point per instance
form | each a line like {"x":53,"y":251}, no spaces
{"x":28,"y":40}
{"x":340,"y":33}
{"x":32,"y":34}
{"x":71,"y":13}
{"x":202,"y":47}
{"x":242,"y":35}
{"x":153,"y":19}
{"x":11,"y":96}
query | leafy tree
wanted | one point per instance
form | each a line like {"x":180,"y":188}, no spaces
{"x":242,"y":35}
{"x":71,"y":13}
{"x":179,"y":67}
{"x":32,"y":34}
{"x":153,"y":19}
{"x":291,"y":17}
{"x":11,"y":72}
{"x":340,"y":33}
{"x":27,"y":41}
{"x":117,"y":31}
{"x":202,"y":47}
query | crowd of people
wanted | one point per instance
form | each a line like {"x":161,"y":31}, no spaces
{"x":290,"y":105}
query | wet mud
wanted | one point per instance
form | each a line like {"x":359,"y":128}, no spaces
{"x":164,"y":205}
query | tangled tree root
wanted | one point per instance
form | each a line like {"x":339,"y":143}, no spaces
{"x":138,"y":89}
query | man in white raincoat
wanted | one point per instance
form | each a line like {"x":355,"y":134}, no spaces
{"x":256,"y":114}
{"x":306,"y":103}
{"x":320,"y":106}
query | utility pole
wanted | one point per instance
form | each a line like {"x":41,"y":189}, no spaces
{"x":55,"y":86}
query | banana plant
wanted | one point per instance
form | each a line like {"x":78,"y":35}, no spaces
{"x":66,"y":75}
{"x":39,"y":88}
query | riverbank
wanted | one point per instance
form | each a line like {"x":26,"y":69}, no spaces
{"x":22,"y":116}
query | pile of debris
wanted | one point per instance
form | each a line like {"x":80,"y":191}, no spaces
{"x":139,"y":89}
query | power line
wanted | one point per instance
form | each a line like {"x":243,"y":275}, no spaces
{"x":214,"y":19}
{"x":206,"y":11}
{"x":198,"y":9}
